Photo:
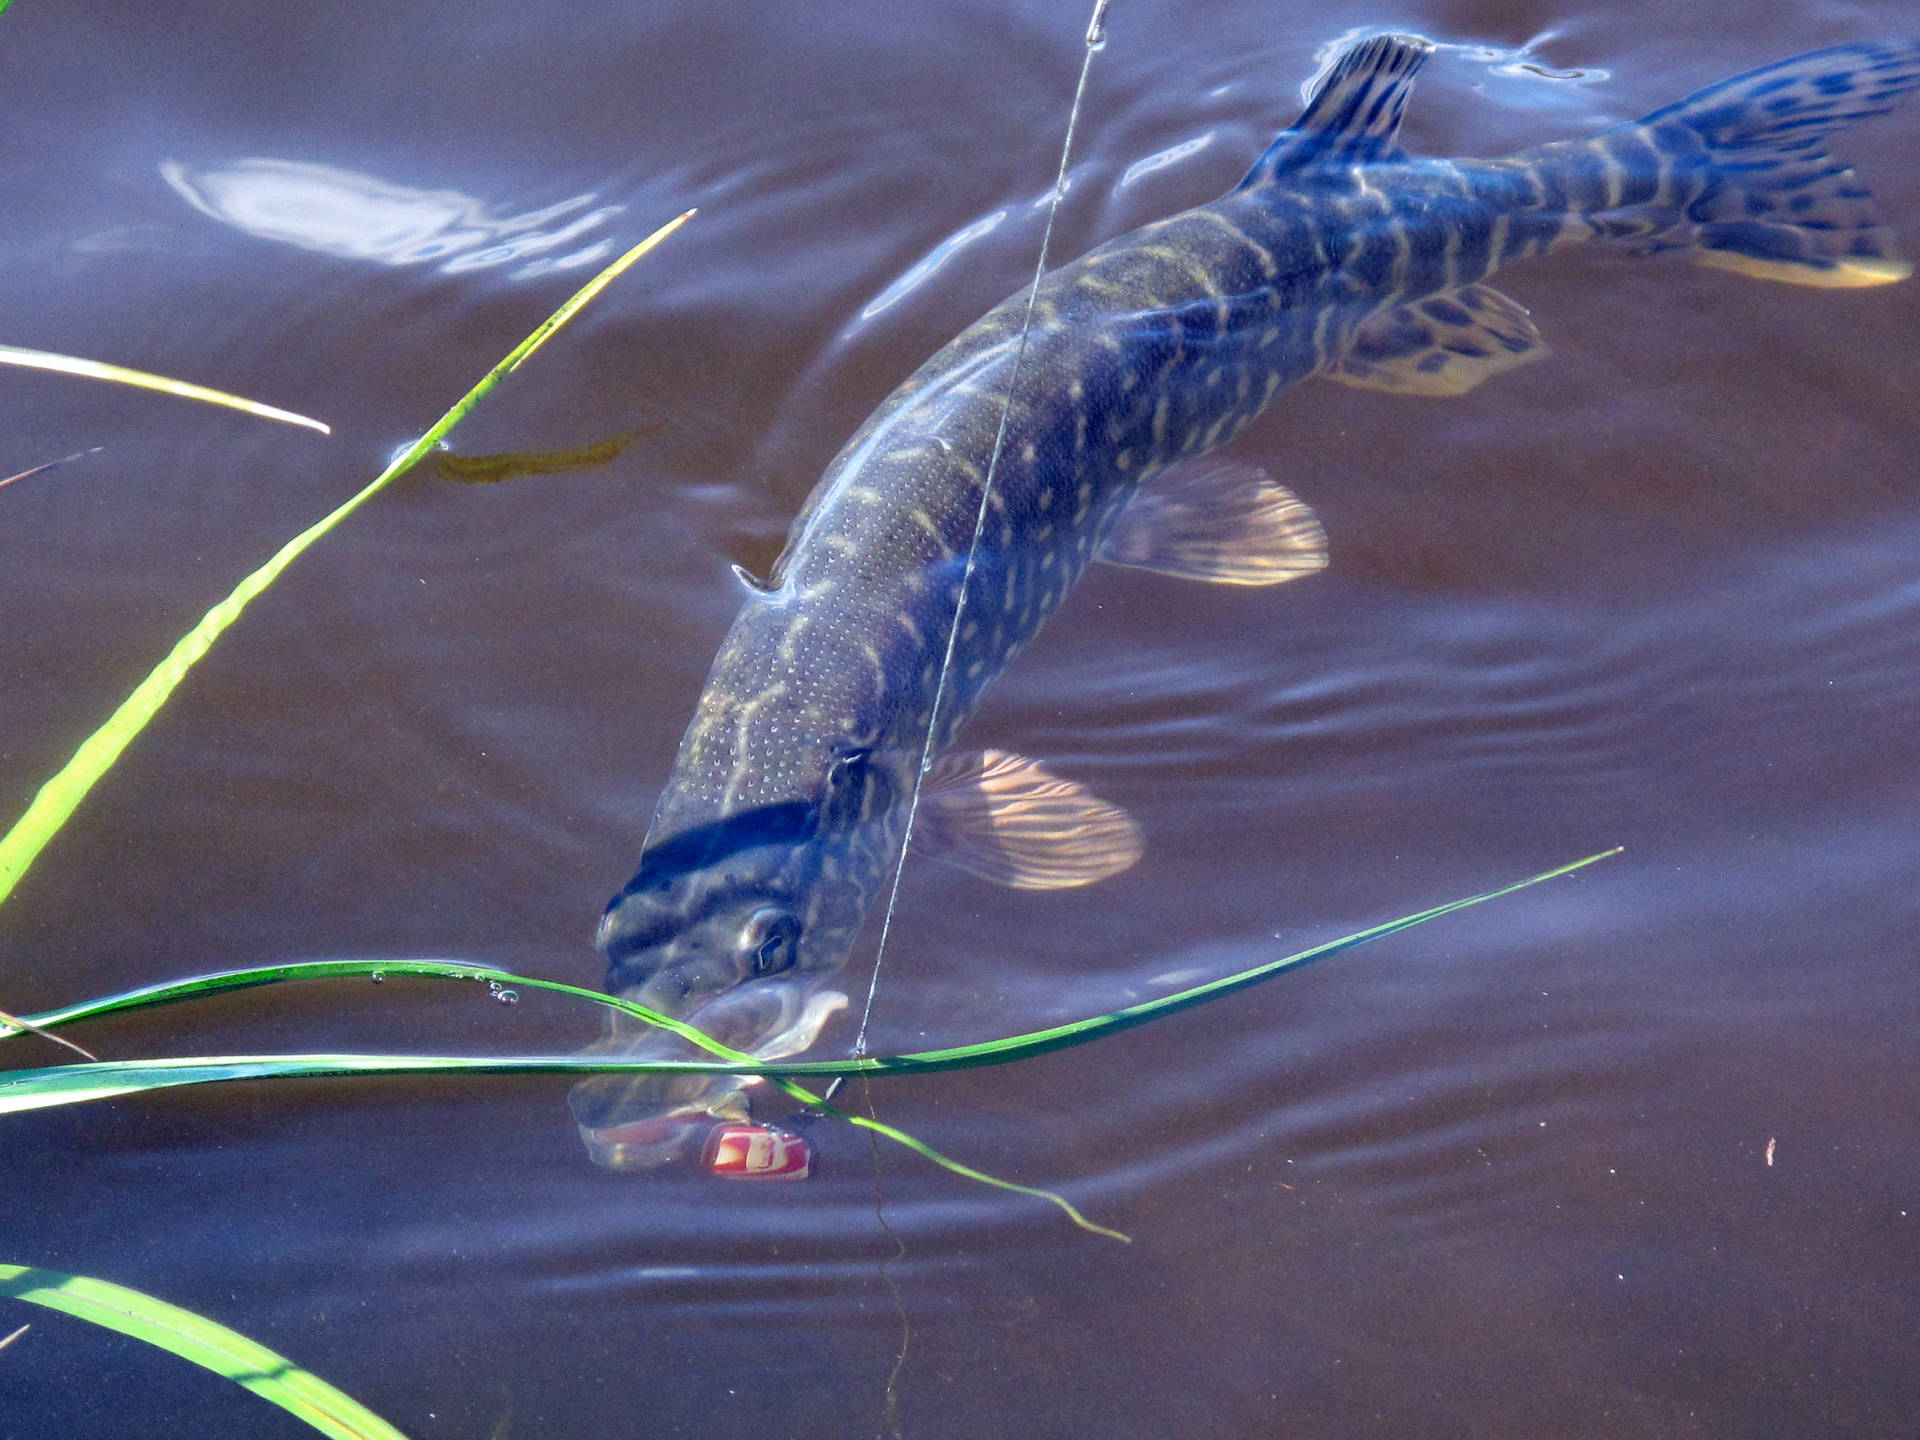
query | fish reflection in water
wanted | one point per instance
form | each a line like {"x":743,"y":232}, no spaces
{"x":1092,"y":414}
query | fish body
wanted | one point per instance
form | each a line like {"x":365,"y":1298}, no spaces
{"x":1068,"y":424}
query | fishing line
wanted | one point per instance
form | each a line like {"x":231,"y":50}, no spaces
{"x":1096,"y":40}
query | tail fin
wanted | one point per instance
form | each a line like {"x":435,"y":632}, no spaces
{"x":1775,"y":204}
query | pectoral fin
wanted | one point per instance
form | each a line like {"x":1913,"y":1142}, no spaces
{"x":1443,"y":345}
{"x":1004,"y":818}
{"x":1219,"y":520}
{"x":821,"y":1006}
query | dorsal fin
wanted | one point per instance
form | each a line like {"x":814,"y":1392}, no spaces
{"x":1354,"y":115}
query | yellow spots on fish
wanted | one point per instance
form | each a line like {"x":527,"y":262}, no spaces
{"x":789,"y":642}
{"x":926,"y":522}
{"x":1213,"y":376}
{"x":1190,"y":439}
{"x":1043,"y":502}
{"x":974,"y":668}
{"x":970,"y":631}
{"x":1261,"y":255}
{"x":1322,"y":324}
{"x":1573,"y":231}
{"x":1028,"y":453}
{"x":1272,"y":384}
{"x":1497,"y":242}
{"x":1086,"y":503}
{"x":1613,"y":173}
{"x":1128,"y":380}
{"x":745,"y":714}
{"x":1402,"y":256}
{"x":1123,"y":461}
{"x":1267,"y":337}
{"x":912,"y":627}
{"x":1043,"y":534}
{"x":1157,"y":430}
{"x":871,"y":654}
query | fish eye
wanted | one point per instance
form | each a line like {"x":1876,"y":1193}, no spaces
{"x":773,"y":939}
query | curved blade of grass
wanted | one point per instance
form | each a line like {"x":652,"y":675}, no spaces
{"x":121,"y":375}
{"x":68,"y":1084}
{"x":72,"y":1084}
{"x":207,"y":1344}
{"x":61,"y":795}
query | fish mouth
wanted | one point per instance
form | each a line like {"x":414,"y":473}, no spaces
{"x":654,"y":1141}
{"x":650,"y":1121}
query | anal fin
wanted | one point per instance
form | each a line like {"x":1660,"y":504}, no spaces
{"x":1442,"y":345}
{"x":1007,"y":819}
{"x":1220,"y":520}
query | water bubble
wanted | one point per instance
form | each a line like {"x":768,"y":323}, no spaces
{"x":506,"y":997}
{"x":1097,"y":27}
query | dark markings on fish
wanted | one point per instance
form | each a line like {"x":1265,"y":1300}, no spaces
{"x":1338,"y":255}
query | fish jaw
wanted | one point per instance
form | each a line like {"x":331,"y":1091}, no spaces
{"x":647,"y":1121}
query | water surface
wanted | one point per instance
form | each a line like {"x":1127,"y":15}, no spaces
{"x":1505,"y":1176}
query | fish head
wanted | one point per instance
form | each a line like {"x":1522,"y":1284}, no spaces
{"x":736,"y":928}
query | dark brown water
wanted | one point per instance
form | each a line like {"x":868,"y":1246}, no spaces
{"x":1505,"y":1176}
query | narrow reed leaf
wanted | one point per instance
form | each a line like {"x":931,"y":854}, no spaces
{"x":120,"y":375}
{"x":11,"y":1023}
{"x":61,"y":795}
{"x":51,"y":465}
{"x":72,"y":1084}
{"x":69,"y":1084}
{"x":207,"y":1344}
{"x":967,"y":1172}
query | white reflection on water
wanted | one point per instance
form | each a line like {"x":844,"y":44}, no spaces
{"x":358,"y":217}
{"x":1160,"y":159}
{"x":924,"y":269}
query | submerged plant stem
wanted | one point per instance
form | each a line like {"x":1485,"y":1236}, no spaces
{"x":61,"y":795}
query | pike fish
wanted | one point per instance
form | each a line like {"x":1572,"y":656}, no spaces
{"x":1074,"y":422}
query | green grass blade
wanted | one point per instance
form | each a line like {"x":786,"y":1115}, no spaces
{"x":205,"y":1343}
{"x":144,"y":380}
{"x":72,"y":1084}
{"x":67,"y":1084}
{"x":967,"y":1172}
{"x":61,"y":795}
